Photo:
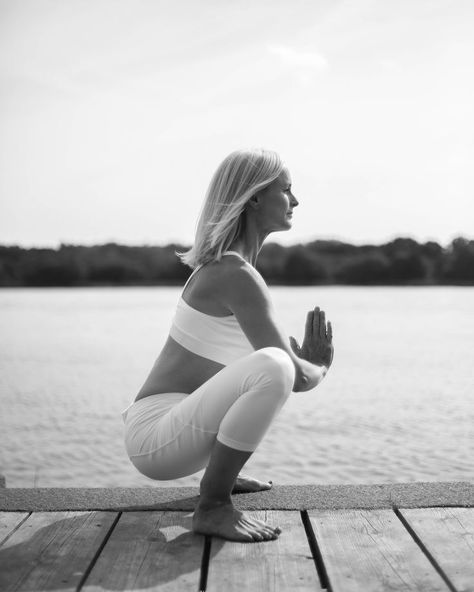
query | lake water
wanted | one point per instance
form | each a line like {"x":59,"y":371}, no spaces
{"x":396,"y":406}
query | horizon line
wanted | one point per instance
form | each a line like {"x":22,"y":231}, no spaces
{"x":59,"y":244}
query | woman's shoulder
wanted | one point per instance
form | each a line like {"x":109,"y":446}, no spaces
{"x":225,"y":280}
{"x":238,"y":279}
{"x":216,"y":283}
{"x":234,"y":269}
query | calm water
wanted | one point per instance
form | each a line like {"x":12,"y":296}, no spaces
{"x":397,"y":404}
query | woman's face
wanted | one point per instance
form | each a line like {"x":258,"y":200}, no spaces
{"x":276,"y":203}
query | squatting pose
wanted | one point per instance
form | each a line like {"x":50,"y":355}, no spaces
{"x":226,"y":368}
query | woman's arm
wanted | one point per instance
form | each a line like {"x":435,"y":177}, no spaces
{"x":245,"y":293}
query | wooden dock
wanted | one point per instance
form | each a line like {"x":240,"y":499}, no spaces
{"x":417,"y":536}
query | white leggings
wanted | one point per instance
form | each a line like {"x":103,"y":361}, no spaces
{"x":171,"y":435}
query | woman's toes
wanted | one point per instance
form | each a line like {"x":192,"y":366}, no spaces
{"x":258,"y":526}
{"x":245,"y":534}
{"x":269,"y":532}
{"x":257,"y":536}
{"x":270,"y":536}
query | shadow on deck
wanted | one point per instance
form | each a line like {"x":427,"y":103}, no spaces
{"x":416,"y":536}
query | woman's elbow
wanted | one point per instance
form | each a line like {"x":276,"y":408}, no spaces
{"x":301,"y":382}
{"x":308,"y":378}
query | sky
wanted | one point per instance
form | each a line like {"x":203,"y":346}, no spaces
{"x":114,"y":115}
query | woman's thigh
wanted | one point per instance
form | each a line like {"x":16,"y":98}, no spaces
{"x":181,"y":441}
{"x":261,"y":370}
{"x":187,"y":453}
{"x":187,"y":432}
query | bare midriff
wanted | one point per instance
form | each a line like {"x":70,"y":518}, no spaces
{"x":178,"y":370}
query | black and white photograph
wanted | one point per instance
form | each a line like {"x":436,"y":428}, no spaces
{"x":237,"y":295}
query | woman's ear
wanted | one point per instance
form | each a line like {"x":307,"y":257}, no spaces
{"x":254,"y":201}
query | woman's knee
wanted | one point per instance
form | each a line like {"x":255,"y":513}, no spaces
{"x":278,"y":365}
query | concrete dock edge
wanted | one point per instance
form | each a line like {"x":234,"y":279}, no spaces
{"x":281,"y":497}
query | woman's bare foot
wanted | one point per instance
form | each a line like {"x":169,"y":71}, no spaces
{"x":221,"y":519}
{"x":244,"y":484}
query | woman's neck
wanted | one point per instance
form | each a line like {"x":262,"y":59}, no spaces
{"x":250,"y":239}
{"x":248,"y":247}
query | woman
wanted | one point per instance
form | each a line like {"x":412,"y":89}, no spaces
{"x":226,"y":368}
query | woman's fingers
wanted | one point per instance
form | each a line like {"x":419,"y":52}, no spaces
{"x":322,"y":324}
{"x":316,"y":325}
{"x":319,"y":324}
{"x":315,"y":329}
{"x":294,"y":345}
{"x":308,"y":330}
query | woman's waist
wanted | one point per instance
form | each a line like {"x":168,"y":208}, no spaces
{"x":178,"y":376}
{"x":158,"y":392}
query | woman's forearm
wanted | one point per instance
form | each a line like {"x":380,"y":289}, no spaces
{"x":308,"y":376}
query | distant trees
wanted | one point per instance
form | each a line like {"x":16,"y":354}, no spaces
{"x":370,"y":268}
{"x":399,"y":262}
{"x":459,"y":262}
{"x":303,"y":267}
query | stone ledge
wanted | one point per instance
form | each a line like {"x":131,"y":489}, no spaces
{"x":281,"y":497}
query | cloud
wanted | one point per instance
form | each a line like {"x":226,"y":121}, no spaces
{"x":299,"y":59}
{"x":306,"y":65}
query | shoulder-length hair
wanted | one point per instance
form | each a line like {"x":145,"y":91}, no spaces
{"x":240,"y":176}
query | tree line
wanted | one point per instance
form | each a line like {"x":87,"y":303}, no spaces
{"x":402,"y":261}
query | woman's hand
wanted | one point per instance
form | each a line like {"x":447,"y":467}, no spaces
{"x":317,"y":343}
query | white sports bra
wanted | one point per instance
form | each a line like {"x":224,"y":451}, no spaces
{"x":220,"y":339}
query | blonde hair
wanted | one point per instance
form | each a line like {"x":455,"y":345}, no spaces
{"x":240,"y":175}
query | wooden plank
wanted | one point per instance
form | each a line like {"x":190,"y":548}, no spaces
{"x":284,"y":564}
{"x":52,"y":550}
{"x":149,"y":551}
{"x":8,"y":522}
{"x":448,"y":535}
{"x":371,"y":550}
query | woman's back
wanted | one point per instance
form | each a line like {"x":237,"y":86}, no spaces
{"x":204,"y":336}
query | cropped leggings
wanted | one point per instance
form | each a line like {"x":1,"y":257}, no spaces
{"x":171,"y":435}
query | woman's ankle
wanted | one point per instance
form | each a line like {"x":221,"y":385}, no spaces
{"x":207,"y":501}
